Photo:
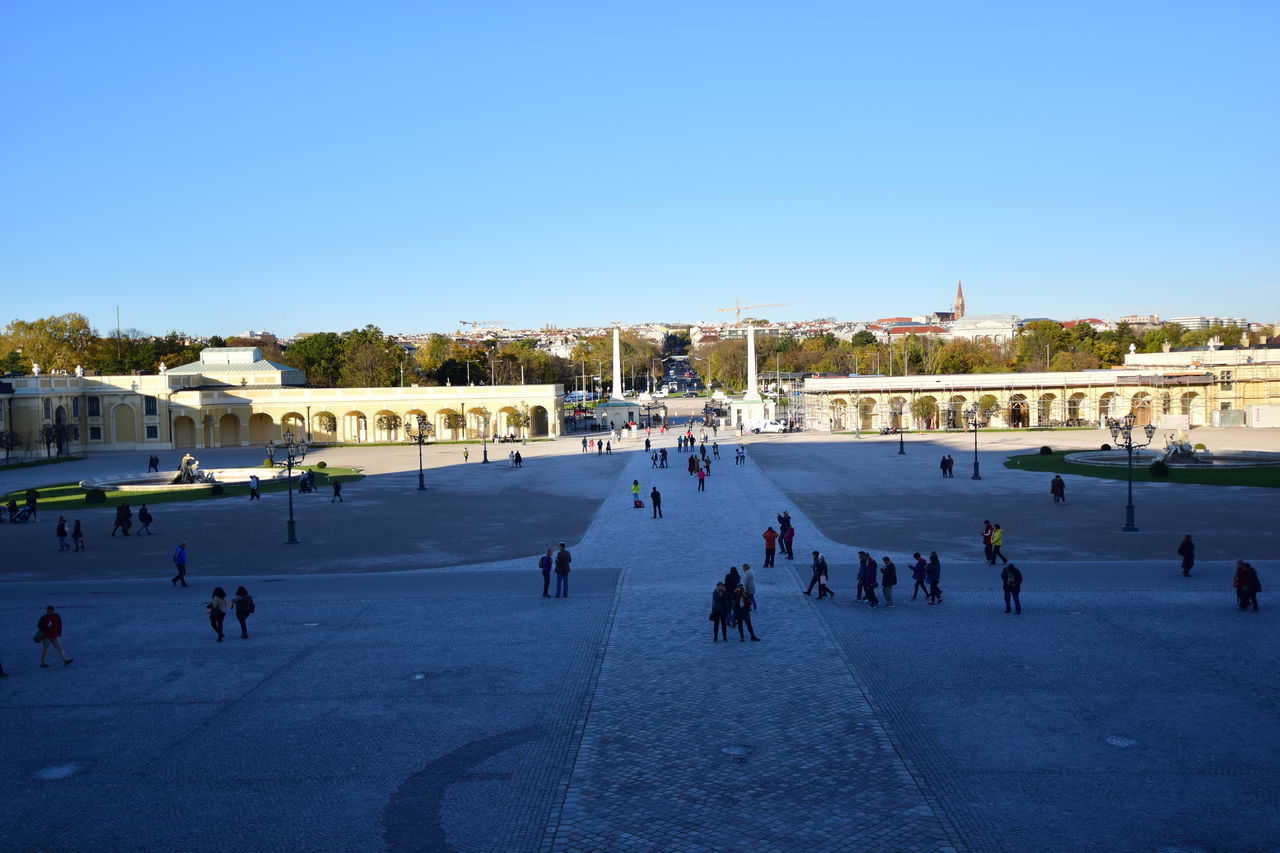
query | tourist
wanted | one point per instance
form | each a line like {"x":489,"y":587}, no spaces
{"x":749,"y":583}
{"x":951,"y":467}
{"x":997,"y":542}
{"x":563,"y":559}
{"x":153,"y":463}
{"x":1247,"y":586}
{"x":217,"y":608}
{"x":545,"y":562}
{"x":1187,"y":551}
{"x":731,"y":580}
{"x":987,"y":529}
{"x":584,"y":445}
{"x":243,"y":604}
{"x":654,"y":459}
{"x":692,"y":466}
{"x":32,"y":496}
{"x":1011,"y":582}
{"x":867,"y":577}
{"x":466,"y":454}
{"x":635,"y":494}
{"x":119,"y":524}
{"x":1058,"y":488}
{"x":933,"y":572}
{"x":888,"y":580}
{"x":742,"y":614}
{"x":77,"y":536}
{"x":608,"y":447}
{"x":770,"y":537}
{"x":655,"y":497}
{"x":647,"y":445}
{"x":943,"y":467}
{"x":662,"y":457}
{"x":144,"y":520}
{"x":511,"y":459}
{"x":180,"y":563}
{"x":61,"y":533}
{"x":715,"y":450}
{"x":519,"y":460}
{"x":599,"y":448}
{"x":337,"y":490}
{"x":49,"y":633}
{"x":721,"y":604}
{"x":919,"y":569}
{"x":824,"y":582}
{"x":818,"y":568}
{"x":253,"y":488}
{"x":702,"y":479}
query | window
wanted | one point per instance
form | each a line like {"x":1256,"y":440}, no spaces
{"x":95,"y":407}
{"x":75,"y":407}
{"x":1224,"y":380}
{"x":153,"y":431}
{"x":95,"y":432}
{"x":148,"y":405}
{"x":48,"y":408}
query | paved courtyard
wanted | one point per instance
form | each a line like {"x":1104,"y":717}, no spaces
{"x":406,"y":687}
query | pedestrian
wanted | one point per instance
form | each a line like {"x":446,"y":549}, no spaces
{"x":818,"y":568}
{"x":180,"y":563}
{"x":253,"y":488}
{"x":997,"y":542}
{"x":919,"y":569}
{"x":692,"y":466}
{"x":61,"y":533}
{"x":731,"y":581}
{"x":635,"y":494}
{"x":788,"y":541}
{"x":599,"y":448}
{"x":153,"y":463}
{"x":662,"y":457}
{"x":706,"y":465}
{"x":77,"y":536}
{"x":584,"y":444}
{"x":742,"y":614}
{"x":943,"y":465}
{"x":867,"y":570}
{"x":749,"y":583}
{"x":1247,"y":586}
{"x":742,"y":456}
{"x":243,"y":604}
{"x":770,"y":537}
{"x":646,"y":445}
{"x":511,"y":459}
{"x":563,"y":559}
{"x":49,"y":633}
{"x":951,"y":467}
{"x":1011,"y":581}
{"x":217,"y":608}
{"x":545,"y":562}
{"x":715,"y":450}
{"x":824,"y":582}
{"x":721,"y":604}
{"x":987,"y":530}
{"x":702,"y":480}
{"x":1187,"y":551}
{"x":519,"y":460}
{"x":32,"y":496}
{"x":144,"y":520}
{"x":127,"y":521}
{"x":1058,"y":488}
{"x":119,"y":522}
{"x":337,"y":490}
{"x":933,"y":572}
{"x":888,"y":580}
{"x":654,"y":459}
{"x":608,"y":448}
{"x":466,"y":455}
{"x":655,"y":497}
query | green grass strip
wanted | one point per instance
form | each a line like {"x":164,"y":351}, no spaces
{"x":1055,"y":463}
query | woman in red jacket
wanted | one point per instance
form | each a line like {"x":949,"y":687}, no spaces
{"x":49,"y":632}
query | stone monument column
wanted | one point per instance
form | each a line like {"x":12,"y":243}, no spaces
{"x":753,"y":393}
{"x":617,"y":369}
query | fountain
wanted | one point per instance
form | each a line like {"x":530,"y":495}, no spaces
{"x":189,"y":476}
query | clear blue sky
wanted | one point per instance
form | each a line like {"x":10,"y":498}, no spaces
{"x":216,"y":167}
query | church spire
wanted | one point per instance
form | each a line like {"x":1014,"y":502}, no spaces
{"x":959,"y":306}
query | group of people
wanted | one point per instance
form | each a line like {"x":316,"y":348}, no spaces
{"x":732,"y":601}
{"x":560,"y":563}
{"x":785,"y":534}
{"x":948,"y":467}
{"x":124,"y":520}
{"x":993,"y":542}
{"x":218,"y":608}
{"x":601,"y":446}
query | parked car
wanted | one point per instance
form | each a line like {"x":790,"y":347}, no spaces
{"x":766,"y":426}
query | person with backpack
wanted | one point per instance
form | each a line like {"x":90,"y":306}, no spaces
{"x":144,"y":520}
{"x":243,"y":604}
{"x":888,"y":580}
{"x":180,"y":563}
{"x":918,"y":572}
{"x":1011,"y":581}
{"x":217,"y":608}
{"x":997,"y":542}
{"x":818,"y":567}
{"x":932,"y":573}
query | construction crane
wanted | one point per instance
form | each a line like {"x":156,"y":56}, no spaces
{"x":738,"y":308}
{"x":474,"y":324}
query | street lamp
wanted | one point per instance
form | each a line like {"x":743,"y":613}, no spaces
{"x":484,"y":436}
{"x":1122,"y":434}
{"x":898,"y":410}
{"x":420,"y":438}
{"x":294,"y":453}
{"x":975,"y":417}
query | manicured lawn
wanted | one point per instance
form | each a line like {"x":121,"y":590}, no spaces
{"x":71,"y":496}
{"x":1054,"y":463}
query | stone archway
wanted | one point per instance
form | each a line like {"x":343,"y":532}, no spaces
{"x":1077,"y":407}
{"x":354,"y":427}
{"x":122,"y":427}
{"x":1141,"y":408}
{"x":324,"y":427}
{"x":1018,"y":411}
{"x":184,"y":432}
{"x":866,"y":413}
{"x":262,"y":428}
{"x":539,"y":423}
{"x":1045,"y":413}
{"x":229,"y":431}
{"x":954,"y":415}
{"x":839,"y":414}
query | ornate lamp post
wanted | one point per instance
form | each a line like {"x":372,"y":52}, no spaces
{"x":975,"y":417}
{"x":897,"y":409}
{"x":294,"y":453}
{"x":1122,"y":434}
{"x":420,"y":438}
{"x":484,"y":436}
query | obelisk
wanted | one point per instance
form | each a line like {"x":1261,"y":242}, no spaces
{"x":753,"y":392}
{"x":617,"y":369}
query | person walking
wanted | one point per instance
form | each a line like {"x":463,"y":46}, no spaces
{"x":933,"y":572}
{"x":77,"y":536}
{"x":655,"y":497}
{"x":599,"y":447}
{"x":867,"y":577}
{"x":662,"y":457}
{"x":153,"y":463}
{"x":987,"y":530}
{"x":217,"y":608}
{"x":824,"y":583}
{"x":466,"y":454}
{"x":1187,"y":551}
{"x":818,"y":569}
{"x":545,"y":562}
{"x":742,"y":614}
{"x":997,"y":542}
{"x":888,"y":580}
{"x":1247,"y":586}
{"x":721,"y":604}
{"x":919,"y":568}
{"x":943,"y":466}
{"x":49,"y":633}
{"x":715,"y":450}
{"x":119,"y":524}
{"x":584,"y":444}
{"x":32,"y":498}
{"x":702,"y":479}
{"x":563,"y":559}
{"x":951,"y":467}
{"x":635,"y":494}
{"x":749,"y":583}
{"x":144,"y":520}
{"x":770,"y":537}
{"x":180,"y":563}
{"x":243,"y":605}
{"x":254,"y":482}
{"x":1058,"y":488}
{"x":61,"y":533}
{"x":1011,"y":582}
{"x":337,"y":490}
{"x":731,"y":581}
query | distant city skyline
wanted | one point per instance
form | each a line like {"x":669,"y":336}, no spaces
{"x":298,"y":168}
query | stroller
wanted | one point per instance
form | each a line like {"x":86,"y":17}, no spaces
{"x":19,"y":515}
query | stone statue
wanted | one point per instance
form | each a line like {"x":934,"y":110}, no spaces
{"x":79,"y":370}
{"x":189,"y":471}
{"x":163,"y":369}
{"x":1166,"y":346}
{"x":35,"y":368}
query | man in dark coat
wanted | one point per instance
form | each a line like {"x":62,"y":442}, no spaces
{"x":563,"y":559}
{"x":1187,"y":551}
{"x":655,"y":497}
{"x":1011,"y":580}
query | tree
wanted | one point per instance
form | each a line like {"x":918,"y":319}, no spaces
{"x":9,"y":440}
{"x":863,"y":339}
{"x":320,"y":355}
{"x":1036,"y":343}
{"x":924,"y":409}
{"x":388,"y":423}
{"x":55,"y":343}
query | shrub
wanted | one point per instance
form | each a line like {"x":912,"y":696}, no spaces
{"x":1199,"y":446}
{"x":95,"y":496}
{"x":322,"y":464}
{"x":1106,"y":447}
{"x":1045,"y":451}
{"x":216,"y":489}
{"x":268,"y":463}
{"x":1159,"y":468}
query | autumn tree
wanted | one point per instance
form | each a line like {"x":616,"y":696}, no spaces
{"x":54,"y":343}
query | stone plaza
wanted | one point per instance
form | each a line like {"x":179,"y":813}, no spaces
{"x":407,"y":687}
